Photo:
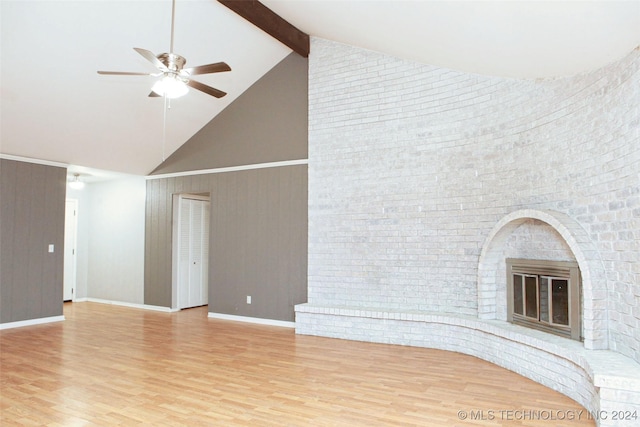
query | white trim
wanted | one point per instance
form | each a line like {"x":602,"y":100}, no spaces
{"x":257,"y":320}
{"x":130,"y":304}
{"x":32,"y":160}
{"x":190,"y":196}
{"x":231,"y":169}
{"x":175,"y":243}
{"x":74,"y":257}
{"x":31,"y":322}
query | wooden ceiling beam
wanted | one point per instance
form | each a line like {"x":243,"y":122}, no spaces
{"x":270,"y":22}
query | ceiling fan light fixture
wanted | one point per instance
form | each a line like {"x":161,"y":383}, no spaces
{"x":176,"y":79}
{"x":170,"y":86}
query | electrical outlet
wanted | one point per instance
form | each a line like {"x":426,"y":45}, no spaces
{"x":248,"y":299}
{"x":51,"y":248}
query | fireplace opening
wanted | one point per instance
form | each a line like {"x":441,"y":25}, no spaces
{"x":544,"y":295}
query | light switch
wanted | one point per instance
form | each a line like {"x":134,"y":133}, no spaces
{"x":51,"y":248}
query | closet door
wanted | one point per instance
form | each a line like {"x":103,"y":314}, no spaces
{"x":193,"y":248}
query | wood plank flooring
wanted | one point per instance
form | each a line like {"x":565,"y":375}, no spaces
{"x":116,"y":366}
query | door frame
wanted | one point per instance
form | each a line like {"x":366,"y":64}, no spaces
{"x":175,"y":239}
{"x":74,"y":257}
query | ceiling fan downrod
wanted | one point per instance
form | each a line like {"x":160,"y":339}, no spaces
{"x":173,"y":18}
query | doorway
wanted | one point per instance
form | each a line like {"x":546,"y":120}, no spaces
{"x":190,"y":250}
{"x":70,"y":250}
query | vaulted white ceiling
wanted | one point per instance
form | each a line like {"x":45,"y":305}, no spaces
{"x":54,"y":106}
{"x":522,"y":39}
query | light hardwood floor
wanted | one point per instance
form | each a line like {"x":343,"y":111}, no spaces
{"x":109,"y":365}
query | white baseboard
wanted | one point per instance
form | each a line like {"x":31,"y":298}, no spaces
{"x":257,"y":320}
{"x":31,"y":322}
{"x":129,"y":304}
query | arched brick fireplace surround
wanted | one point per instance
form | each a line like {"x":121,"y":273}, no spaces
{"x":491,"y":271}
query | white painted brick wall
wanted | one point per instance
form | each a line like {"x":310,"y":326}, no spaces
{"x":411,"y":166}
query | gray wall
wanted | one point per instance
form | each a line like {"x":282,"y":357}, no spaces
{"x":32,"y":203}
{"x":259,"y":223}
{"x":258,"y":240}
{"x":258,"y":216}
{"x":265,"y":124}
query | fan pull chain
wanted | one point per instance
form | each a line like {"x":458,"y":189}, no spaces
{"x":167,"y":105}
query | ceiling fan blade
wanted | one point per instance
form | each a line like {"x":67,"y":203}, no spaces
{"x":149,"y":56}
{"x":208,"y":69}
{"x":206,"y":89}
{"x":154,"y":95}
{"x":123,"y":73}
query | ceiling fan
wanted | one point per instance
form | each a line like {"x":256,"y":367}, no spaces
{"x":175,"y":78}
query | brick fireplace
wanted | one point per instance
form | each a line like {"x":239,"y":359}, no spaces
{"x":424,"y":180}
{"x":601,"y":380}
{"x":547,"y":235}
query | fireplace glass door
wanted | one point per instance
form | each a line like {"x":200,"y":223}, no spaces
{"x":544,"y":296}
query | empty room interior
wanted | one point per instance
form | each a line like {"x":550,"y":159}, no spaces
{"x":320,"y":213}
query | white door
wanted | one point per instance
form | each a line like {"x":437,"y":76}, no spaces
{"x":193,"y":251}
{"x":70,"y":255}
